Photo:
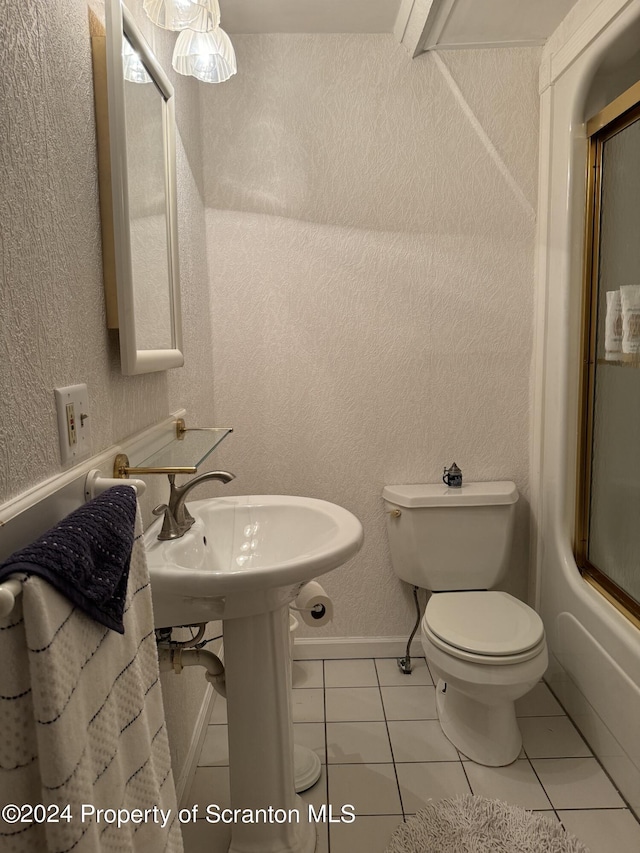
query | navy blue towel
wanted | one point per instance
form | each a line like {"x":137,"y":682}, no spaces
{"x":86,"y":556}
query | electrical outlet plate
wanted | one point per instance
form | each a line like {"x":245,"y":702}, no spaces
{"x":74,"y":424}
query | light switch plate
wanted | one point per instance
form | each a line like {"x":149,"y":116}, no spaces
{"x":74,"y":424}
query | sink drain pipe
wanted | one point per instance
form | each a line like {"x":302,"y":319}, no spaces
{"x":177,"y":658}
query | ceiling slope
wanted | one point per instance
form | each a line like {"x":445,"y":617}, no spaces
{"x":454,"y":24}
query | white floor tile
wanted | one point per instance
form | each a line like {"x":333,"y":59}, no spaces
{"x":409,"y":703}
{"x":322,"y":845}
{"x":210,"y":785}
{"x":365,"y":835}
{"x":547,"y":813}
{"x":576,"y":783}
{"x":215,"y":749}
{"x":311,"y":735}
{"x":551,"y":737}
{"x":516,"y":784}
{"x":604,"y":830}
{"x":390,"y":675}
{"x":434,"y":780}
{"x":203,"y":836}
{"x":350,"y":673}
{"x":318,"y":796}
{"x":434,"y":677}
{"x":308,"y":705}
{"x":420,"y":740}
{"x":354,"y":743}
{"x":370,"y":788}
{"x":353,"y":704}
{"x":361,"y":746}
{"x":539,"y":702}
{"x":307,"y":673}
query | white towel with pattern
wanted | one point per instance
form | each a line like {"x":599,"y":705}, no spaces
{"x":82,"y":727}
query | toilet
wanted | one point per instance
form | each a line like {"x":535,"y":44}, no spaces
{"x":485,"y":647}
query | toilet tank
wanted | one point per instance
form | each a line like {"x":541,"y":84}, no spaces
{"x":451,"y":539}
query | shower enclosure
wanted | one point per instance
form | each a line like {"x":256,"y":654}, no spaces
{"x":587,"y":63}
{"x":608,"y":506}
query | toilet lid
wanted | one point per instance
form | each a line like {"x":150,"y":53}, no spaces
{"x":484,"y":623}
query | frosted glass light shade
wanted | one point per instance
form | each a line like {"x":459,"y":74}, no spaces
{"x":132,"y":66}
{"x":209,"y":57}
{"x":202,"y":15}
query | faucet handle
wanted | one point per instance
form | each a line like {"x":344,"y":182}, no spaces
{"x":170,"y":529}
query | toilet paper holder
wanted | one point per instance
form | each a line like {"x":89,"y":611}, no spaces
{"x":313,"y":603}
{"x":317,"y":611}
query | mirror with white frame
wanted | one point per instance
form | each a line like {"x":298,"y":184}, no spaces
{"x":138,"y":197}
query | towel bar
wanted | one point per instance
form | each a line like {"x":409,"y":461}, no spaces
{"x":95,"y":484}
{"x":9,"y":591}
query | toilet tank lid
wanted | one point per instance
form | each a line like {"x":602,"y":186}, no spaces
{"x":437,"y":494}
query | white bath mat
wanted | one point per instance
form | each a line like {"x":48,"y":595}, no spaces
{"x":478,"y":825}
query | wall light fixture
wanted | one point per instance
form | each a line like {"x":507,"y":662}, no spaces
{"x":208,"y":56}
{"x":178,"y":15}
{"x":203,"y":50}
{"x":132,"y":65}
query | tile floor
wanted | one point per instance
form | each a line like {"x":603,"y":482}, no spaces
{"x":382,"y":750}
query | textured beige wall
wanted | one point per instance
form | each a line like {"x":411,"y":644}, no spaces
{"x":52,"y":317}
{"x":370,"y":234}
{"x":370,"y":226}
{"x":53,"y":329}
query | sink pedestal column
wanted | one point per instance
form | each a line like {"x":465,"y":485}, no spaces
{"x":258,"y":684}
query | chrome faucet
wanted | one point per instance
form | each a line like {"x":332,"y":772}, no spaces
{"x":177,"y":518}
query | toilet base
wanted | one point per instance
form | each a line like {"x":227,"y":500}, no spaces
{"x":487,"y":734}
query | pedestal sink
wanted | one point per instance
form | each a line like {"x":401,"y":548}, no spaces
{"x":243,"y":561}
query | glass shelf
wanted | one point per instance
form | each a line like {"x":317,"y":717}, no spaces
{"x":188,"y":451}
{"x":182,"y":455}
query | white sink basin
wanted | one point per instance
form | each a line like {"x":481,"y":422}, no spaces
{"x":246,"y":555}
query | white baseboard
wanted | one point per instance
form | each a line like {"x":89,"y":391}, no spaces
{"x":337,"y":648}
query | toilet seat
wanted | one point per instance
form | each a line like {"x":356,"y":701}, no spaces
{"x":483,"y":626}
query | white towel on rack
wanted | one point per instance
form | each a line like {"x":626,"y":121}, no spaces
{"x":82,"y":724}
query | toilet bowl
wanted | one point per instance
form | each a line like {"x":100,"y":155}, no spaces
{"x":485,"y":647}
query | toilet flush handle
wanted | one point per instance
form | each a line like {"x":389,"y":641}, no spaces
{"x":394,"y":513}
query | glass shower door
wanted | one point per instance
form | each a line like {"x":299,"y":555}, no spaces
{"x":608,"y":547}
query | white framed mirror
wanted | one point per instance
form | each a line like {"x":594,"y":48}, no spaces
{"x":138,"y":198}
